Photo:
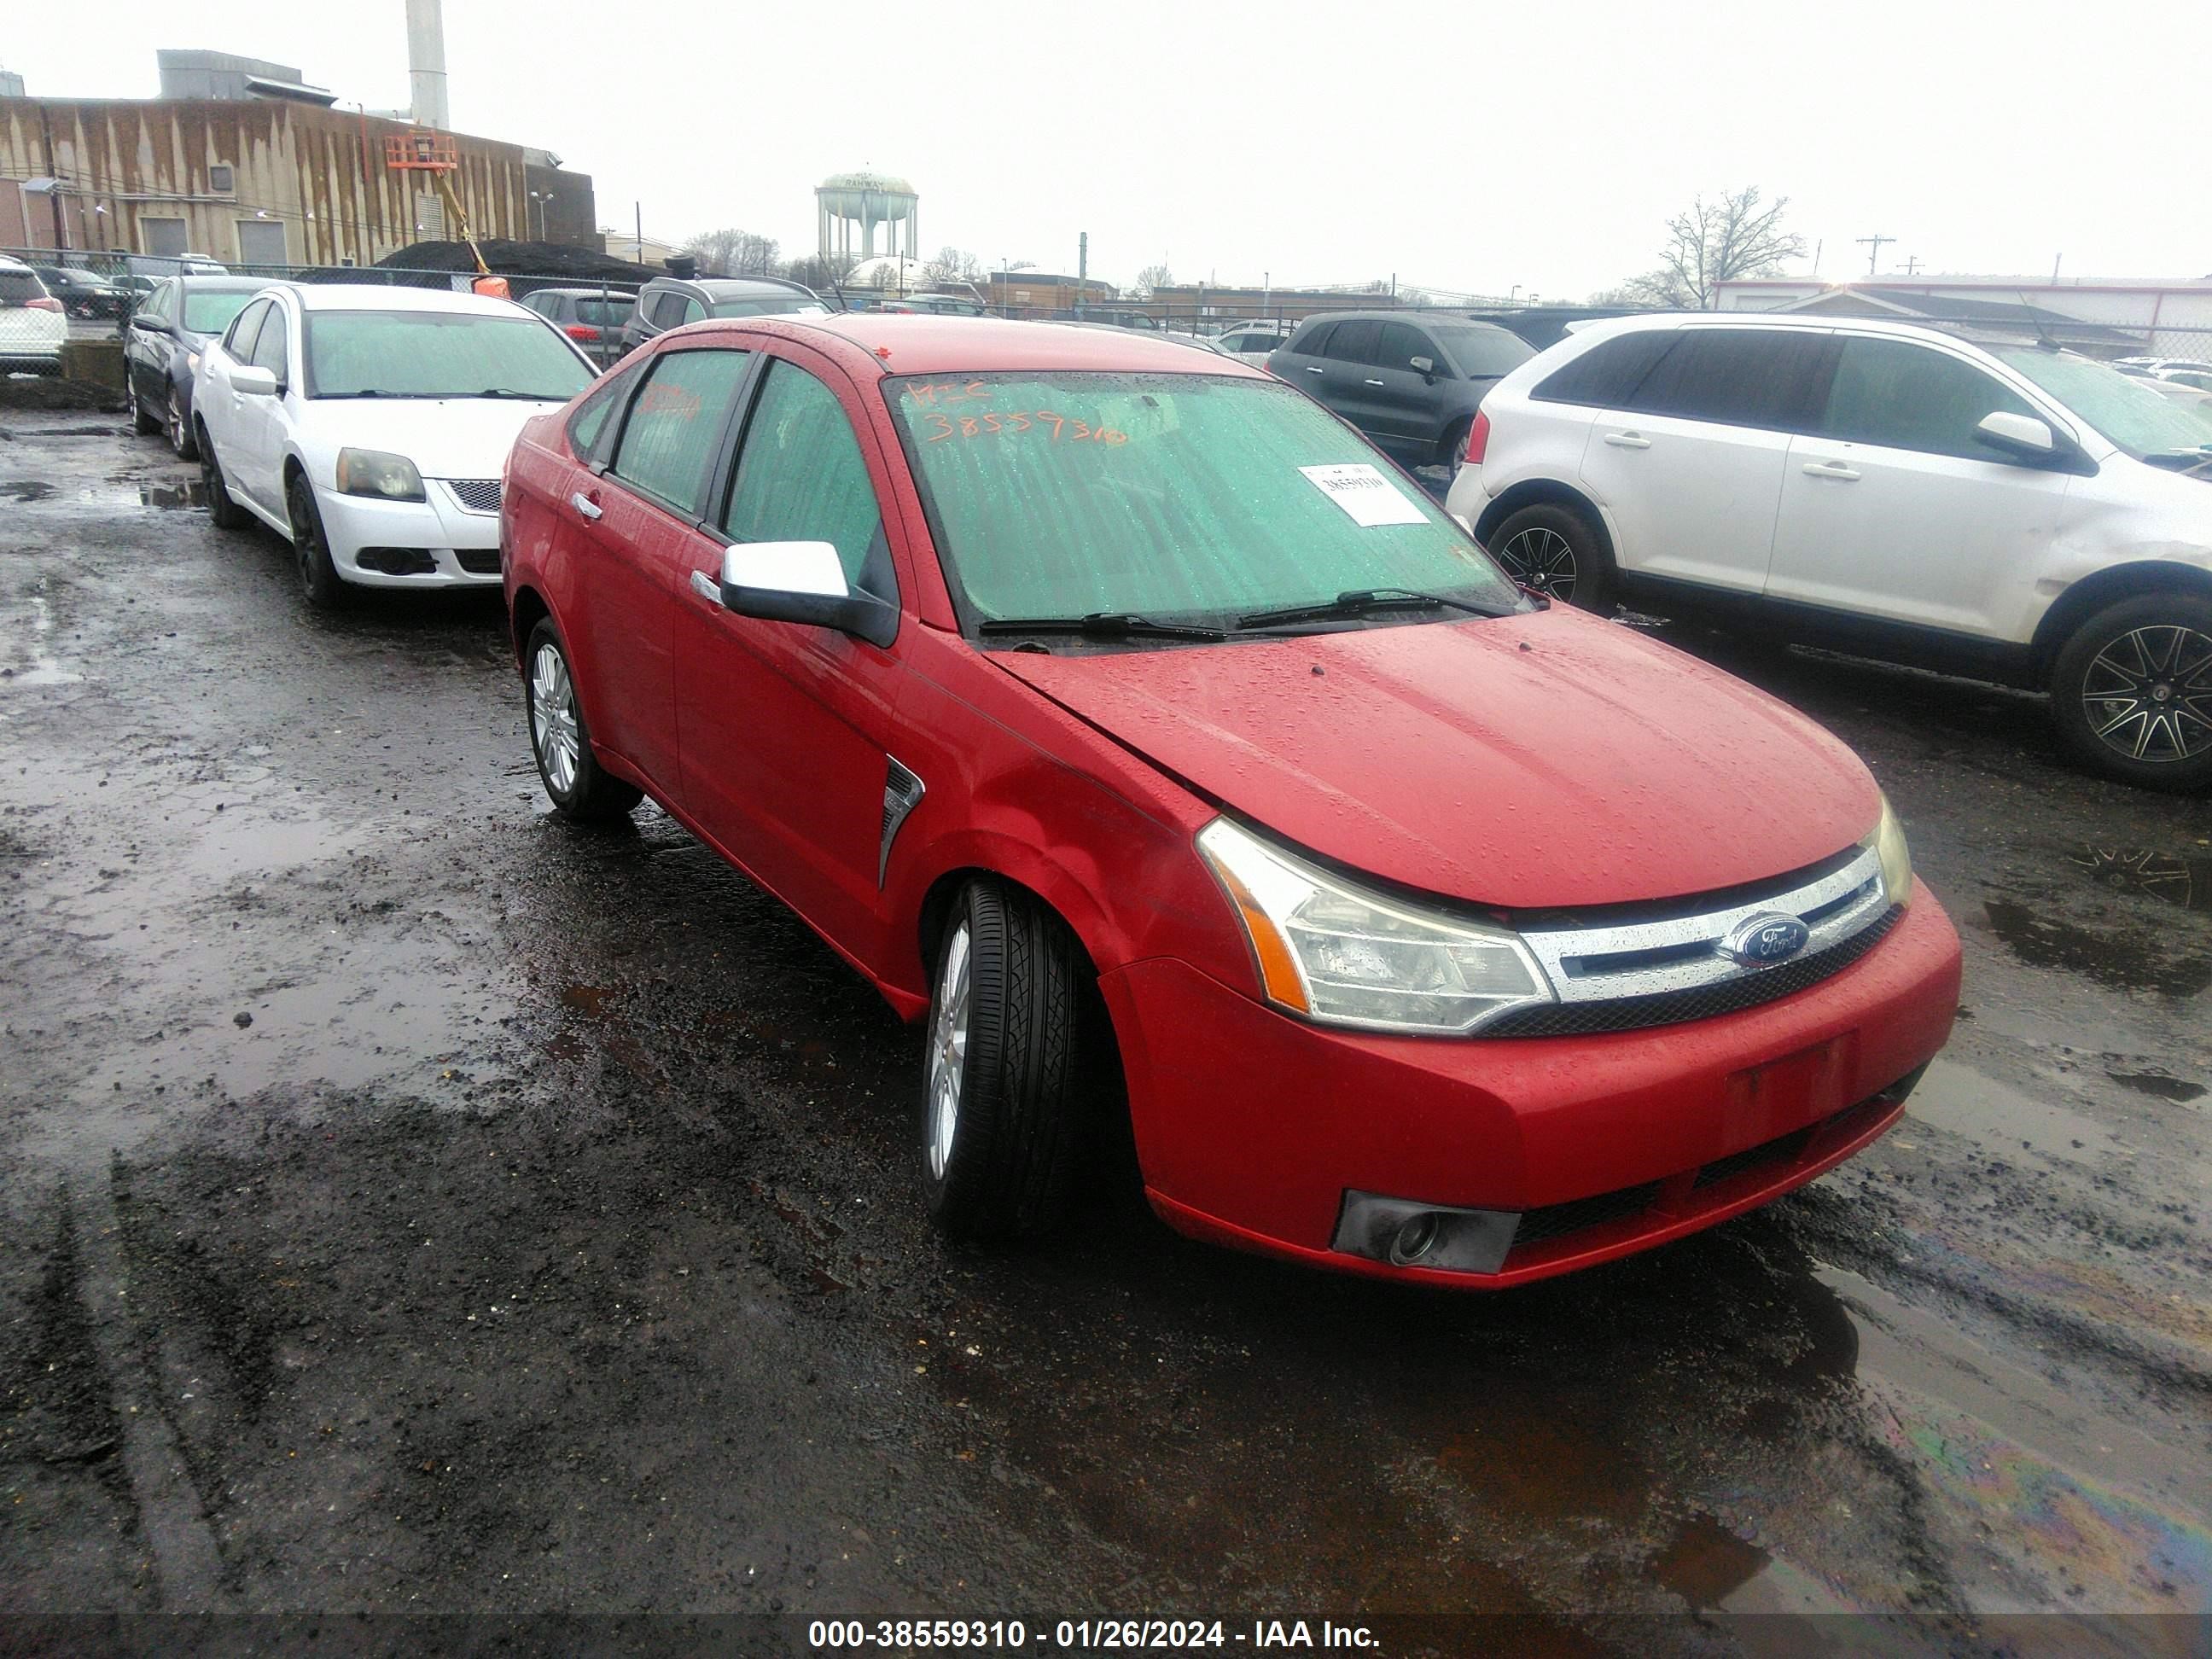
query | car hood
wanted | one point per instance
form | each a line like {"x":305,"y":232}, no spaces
{"x":445,"y":437}
{"x":1528,"y":761}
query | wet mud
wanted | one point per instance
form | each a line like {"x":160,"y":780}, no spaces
{"x":412,"y":1203}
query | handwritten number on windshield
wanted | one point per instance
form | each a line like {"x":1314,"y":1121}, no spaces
{"x":1063,"y":428}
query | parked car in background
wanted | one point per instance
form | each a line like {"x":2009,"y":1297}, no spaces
{"x":369,"y":426}
{"x":592,"y":317}
{"x":1254,"y":341}
{"x":2183,"y":371}
{"x":667,"y":302}
{"x":161,"y":348}
{"x":1998,"y":507}
{"x":933,"y":305}
{"x":83,"y":293}
{"x":33,"y":326}
{"x":1410,"y":383}
{"x":1124,"y":717}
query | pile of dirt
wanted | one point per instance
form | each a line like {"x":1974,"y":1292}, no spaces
{"x":557,"y":259}
{"x":51,"y":391}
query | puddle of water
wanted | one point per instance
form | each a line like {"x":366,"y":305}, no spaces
{"x":45,"y":669}
{"x":2003,"y":1121}
{"x":2159,"y":1086}
{"x":26,"y":490}
{"x":189,"y":493}
{"x":1705,"y":1563}
{"x":2183,"y":882}
{"x":2125,"y":964}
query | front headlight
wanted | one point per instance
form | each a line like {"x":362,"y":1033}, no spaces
{"x":1339,"y":955}
{"x":374,"y":472}
{"x":1888,"y":839}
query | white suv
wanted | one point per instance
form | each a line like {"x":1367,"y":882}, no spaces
{"x":32,"y":325}
{"x":2003,"y":510}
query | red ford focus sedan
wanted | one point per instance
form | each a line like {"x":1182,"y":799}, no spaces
{"x":1121,"y":713}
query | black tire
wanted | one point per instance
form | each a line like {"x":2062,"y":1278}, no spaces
{"x":581,"y":790}
{"x":1003,"y":1165}
{"x":2131,"y":691}
{"x":180,"y":428}
{"x":318,"y":577}
{"x":1557,"y":551}
{"x":142,"y":423}
{"x":1452,"y":444}
{"x":223,"y":513}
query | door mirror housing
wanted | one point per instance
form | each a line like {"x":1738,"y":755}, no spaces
{"x":2020,"y":436}
{"x":147,"y":325}
{"x":1425,"y":368}
{"x":251,"y":382}
{"x":797,"y":582}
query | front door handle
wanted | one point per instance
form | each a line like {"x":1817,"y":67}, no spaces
{"x":1835,"y":469}
{"x":1376,"y":383}
{"x":585,"y":506}
{"x":1627,"y":440}
{"x":1316,"y":369}
{"x":706,"y":587}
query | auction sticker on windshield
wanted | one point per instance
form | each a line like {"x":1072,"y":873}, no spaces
{"x":1368,"y":497}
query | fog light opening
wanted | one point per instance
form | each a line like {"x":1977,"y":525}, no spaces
{"x":1415,"y":1239}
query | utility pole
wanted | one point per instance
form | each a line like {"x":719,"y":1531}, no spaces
{"x":1912,"y":265}
{"x":1872,"y":246}
{"x":1082,"y":270}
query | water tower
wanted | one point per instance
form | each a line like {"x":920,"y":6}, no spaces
{"x":844,"y":200}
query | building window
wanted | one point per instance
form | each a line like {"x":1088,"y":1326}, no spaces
{"x":261,"y":242}
{"x":221,"y":181}
{"x":165,"y":237}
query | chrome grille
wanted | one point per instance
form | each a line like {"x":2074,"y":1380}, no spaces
{"x":1625,"y":975}
{"x":476,"y":495}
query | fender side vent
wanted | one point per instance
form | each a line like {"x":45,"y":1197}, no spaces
{"x":902,"y":793}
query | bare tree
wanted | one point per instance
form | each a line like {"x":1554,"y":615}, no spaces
{"x":733,"y":253}
{"x":1714,"y":242}
{"x":1151,"y":278}
{"x":950,"y":266}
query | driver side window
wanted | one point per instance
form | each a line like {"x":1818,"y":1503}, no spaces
{"x":238,"y":342}
{"x":1904,"y":396}
{"x":801,"y":478}
{"x":269,"y":350}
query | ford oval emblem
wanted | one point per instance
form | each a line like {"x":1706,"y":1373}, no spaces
{"x":1765,"y":939}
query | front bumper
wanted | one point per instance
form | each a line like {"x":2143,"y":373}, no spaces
{"x":368,"y":536}
{"x":1253,"y":1127}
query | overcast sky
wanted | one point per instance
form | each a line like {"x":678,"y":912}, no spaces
{"x":1485,"y":147}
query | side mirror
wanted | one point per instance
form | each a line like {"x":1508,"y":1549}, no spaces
{"x":150,"y":324}
{"x":797,"y":582}
{"x":1424,"y":367}
{"x":2022,"y":436}
{"x":251,"y":382}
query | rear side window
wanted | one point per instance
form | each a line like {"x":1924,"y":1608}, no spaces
{"x":1909,"y":397}
{"x":667,"y":309}
{"x":1607,"y":376}
{"x":1314,"y":343}
{"x":676,"y":425}
{"x":1736,"y":377}
{"x":1483,"y":352}
{"x":801,"y":478}
{"x":1359,"y":341}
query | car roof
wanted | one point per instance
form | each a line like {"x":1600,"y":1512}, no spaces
{"x":1977,"y":333}
{"x":586,"y":292}
{"x":194,"y":284}
{"x":374,"y":296}
{"x":916,"y":343}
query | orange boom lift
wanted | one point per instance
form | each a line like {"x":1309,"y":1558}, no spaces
{"x":424,"y":151}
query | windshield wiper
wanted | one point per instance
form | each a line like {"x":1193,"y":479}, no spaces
{"x":1101,"y":625}
{"x":509,"y":392}
{"x":1357,"y":602}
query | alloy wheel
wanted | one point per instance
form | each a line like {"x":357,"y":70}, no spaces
{"x":948,"y":1051}
{"x":2147,"y":695}
{"x":176,"y":423}
{"x":553,"y":719}
{"x":1541,"y":560}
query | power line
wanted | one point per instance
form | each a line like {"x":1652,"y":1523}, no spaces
{"x":1873,"y":245}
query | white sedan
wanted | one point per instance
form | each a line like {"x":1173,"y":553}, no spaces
{"x":369,"y":426}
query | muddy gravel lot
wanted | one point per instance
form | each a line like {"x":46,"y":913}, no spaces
{"x":414,"y":1205}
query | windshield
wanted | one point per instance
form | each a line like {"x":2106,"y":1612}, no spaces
{"x":211,"y":313}
{"x":438,"y":354}
{"x":2140,"y":420}
{"x":1481,"y":351}
{"x":1171,"y":496}
{"x":768,"y":305}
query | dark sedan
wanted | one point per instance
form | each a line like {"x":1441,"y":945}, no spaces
{"x":1409,"y":382}
{"x":83,"y":293}
{"x":169,"y":330}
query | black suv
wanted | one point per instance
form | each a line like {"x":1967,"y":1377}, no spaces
{"x":1410,"y":383}
{"x":667,"y":302}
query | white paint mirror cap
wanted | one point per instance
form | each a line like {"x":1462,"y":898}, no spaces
{"x":786,"y":568}
{"x":253,"y":382}
{"x":2019,"y":431}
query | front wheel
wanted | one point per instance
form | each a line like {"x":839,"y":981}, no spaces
{"x":581,"y":789}
{"x":142,"y":420}
{"x":180,"y":428}
{"x":1554,"y":551}
{"x":1001,"y":1115}
{"x":2131,"y":691}
{"x":223,"y":513}
{"x":318,"y":576}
